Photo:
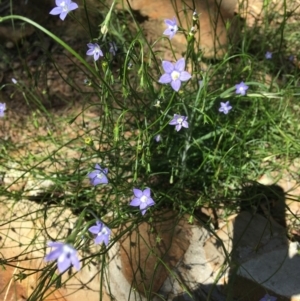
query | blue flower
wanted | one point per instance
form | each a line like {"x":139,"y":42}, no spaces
{"x":2,"y":109}
{"x":98,"y":176}
{"x":179,"y":122}
{"x":172,"y":28}
{"x":142,"y":199}
{"x":268,"y":55}
{"x":102,"y":233}
{"x":95,"y":50}
{"x":241,"y":88}
{"x":174,"y":74}
{"x":225,"y":107}
{"x":65,"y":255}
{"x":63,"y":8}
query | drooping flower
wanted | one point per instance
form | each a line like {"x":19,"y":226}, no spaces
{"x":241,"y":88}
{"x":102,"y":233}
{"x":14,"y":81}
{"x":113,"y":48}
{"x":172,"y":27}
{"x":2,"y":109}
{"x":142,"y":199}
{"x":65,"y":255}
{"x":95,"y":50}
{"x":268,"y":55}
{"x":225,"y":107}
{"x":157,"y":138}
{"x":98,"y":176}
{"x":63,"y":8}
{"x":268,"y":298}
{"x":174,"y":74}
{"x":179,"y":122}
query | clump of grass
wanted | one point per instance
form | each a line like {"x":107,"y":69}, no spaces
{"x":174,"y":146}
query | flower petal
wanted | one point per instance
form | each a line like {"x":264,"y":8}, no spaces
{"x":147,"y":192}
{"x":150,"y":202}
{"x":185,"y":124}
{"x":178,"y":127}
{"x":63,"y":263}
{"x":135,"y":202}
{"x":106,"y":240}
{"x":170,"y":22}
{"x":99,"y":239}
{"x":168,"y":32}
{"x":180,"y":65}
{"x":175,"y":84}
{"x":143,"y":205}
{"x":73,"y":6}
{"x":167,"y":66}
{"x":56,"y":11}
{"x":63,"y":15}
{"x":137,"y":192}
{"x":174,"y":120}
{"x":165,"y":79}
{"x":184,"y":76}
{"x":53,"y":255}
{"x":95,"y":229}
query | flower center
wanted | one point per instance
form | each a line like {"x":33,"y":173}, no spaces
{"x":103,"y":231}
{"x":143,"y":199}
{"x":175,"y":75}
{"x":64,"y":6}
{"x":180,"y":120}
{"x":97,"y":49}
{"x":100,"y":175}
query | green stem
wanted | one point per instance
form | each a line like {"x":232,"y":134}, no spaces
{"x":61,"y":42}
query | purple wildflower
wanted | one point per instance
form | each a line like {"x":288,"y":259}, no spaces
{"x":2,"y":109}
{"x":142,"y":199}
{"x":174,"y":74}
{"x":241,"y":88}
{"x":268,"y":55}
{"x":113,"y":48}
{"x":65,"y":255}
{"x":268,"y":298}
{"x":102,"y":233}
{"x":179,"y":122}
{"x":225,"y":107}
{"x":172,"y":27}
{"x":63,"y":8}
{"x":95,"y":50}
{"x":98,"y":176}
